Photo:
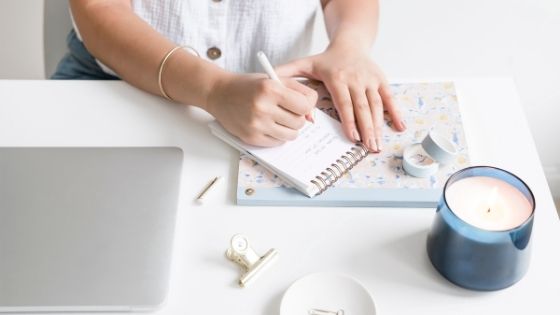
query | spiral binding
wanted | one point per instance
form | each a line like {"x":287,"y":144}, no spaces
{"x":342,"y":165}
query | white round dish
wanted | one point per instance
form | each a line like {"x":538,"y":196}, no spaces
{"x":327,"y":291}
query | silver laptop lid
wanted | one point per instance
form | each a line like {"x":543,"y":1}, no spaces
{"x":86,"y":228}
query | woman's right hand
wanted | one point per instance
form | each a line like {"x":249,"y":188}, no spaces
{"x":258,"y":110}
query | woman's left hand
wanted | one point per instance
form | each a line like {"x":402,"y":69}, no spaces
{"x":358,"y":88}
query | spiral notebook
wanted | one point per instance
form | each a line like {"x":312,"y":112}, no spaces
{"x":378,"y":179}
{"x":313,"y":162}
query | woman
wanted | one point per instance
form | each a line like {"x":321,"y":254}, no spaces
{"x":136,"y":41}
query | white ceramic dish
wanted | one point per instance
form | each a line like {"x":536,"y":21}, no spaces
{"x":327,"y":291}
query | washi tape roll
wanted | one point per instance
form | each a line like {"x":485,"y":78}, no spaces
{"x":424,"y":159}
{"x":439,"y":148}
{"x":417,"y":162}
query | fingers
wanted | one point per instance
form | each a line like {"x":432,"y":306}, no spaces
{"x":391,"y":107}
{"x":273,"y":135}
{"x":277,"y":112}
{"x":269,"y":141}
{"x":299,"y":103}
{"x":343,"y":103}
{"x":361,"y":109}
{"x":282,"y":133}
{"x":288,"y":119}
{"x":363,"y":113}
{"x":298,"y":67}
{"x":376,"y":107}
{"x":309,"y":93}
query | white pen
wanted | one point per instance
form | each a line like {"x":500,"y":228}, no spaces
{"x":265,"y":63}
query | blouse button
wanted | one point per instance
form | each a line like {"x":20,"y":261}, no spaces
{"x":214,"y":53}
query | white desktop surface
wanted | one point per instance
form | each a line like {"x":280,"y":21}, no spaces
{"x":382,"y":247}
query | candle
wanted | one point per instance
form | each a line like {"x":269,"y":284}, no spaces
{"x":488,"y":203}
{"x":480,"y":236}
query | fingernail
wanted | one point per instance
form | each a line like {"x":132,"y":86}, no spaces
{"x":310,"y":118}
{"x":356,"y":135}
{"x":379,"y":144}
{"x":372,"y":146}
{"x":403,"y":124}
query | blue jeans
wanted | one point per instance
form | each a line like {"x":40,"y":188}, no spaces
{"x":79,"y":64}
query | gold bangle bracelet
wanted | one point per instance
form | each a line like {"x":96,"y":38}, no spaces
{"x":160,"y":72}
{"x":189,"y":49}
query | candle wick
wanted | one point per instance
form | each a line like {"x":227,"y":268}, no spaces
{"x":488,"y":211}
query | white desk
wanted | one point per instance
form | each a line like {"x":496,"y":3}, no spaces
{"x":384,"y":248}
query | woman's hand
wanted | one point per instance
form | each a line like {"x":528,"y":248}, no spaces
{"x":258,"y":110}
{"x":358,"y":88}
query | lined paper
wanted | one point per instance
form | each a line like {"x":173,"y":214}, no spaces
{"x":317,"y":147}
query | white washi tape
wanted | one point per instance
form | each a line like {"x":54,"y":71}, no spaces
{"x":424,"y":159}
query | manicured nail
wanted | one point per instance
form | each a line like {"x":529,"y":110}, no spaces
{"x":403,"y":124}
{"x":356,"y":136}
{"x":309,"y":118}
{"x":372,"y":146}
{"x":379,"y":144}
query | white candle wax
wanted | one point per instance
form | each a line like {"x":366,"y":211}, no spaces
{"x":488,"y":203}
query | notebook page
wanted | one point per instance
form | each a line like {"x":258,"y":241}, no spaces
{"x":316,"y":148}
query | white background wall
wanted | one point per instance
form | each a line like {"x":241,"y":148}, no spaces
{"x":428,"y":38}
{"x":21,"y":39}
{"x":517,"y":38}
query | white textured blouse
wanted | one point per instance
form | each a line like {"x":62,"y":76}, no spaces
{"x":229,"y":33}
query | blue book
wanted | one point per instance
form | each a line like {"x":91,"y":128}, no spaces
{"x":323,"y":168}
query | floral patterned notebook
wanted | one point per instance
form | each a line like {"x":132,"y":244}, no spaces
{"x":379,"y":179}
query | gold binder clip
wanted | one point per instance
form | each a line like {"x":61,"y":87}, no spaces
{"x":241,"y":253}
